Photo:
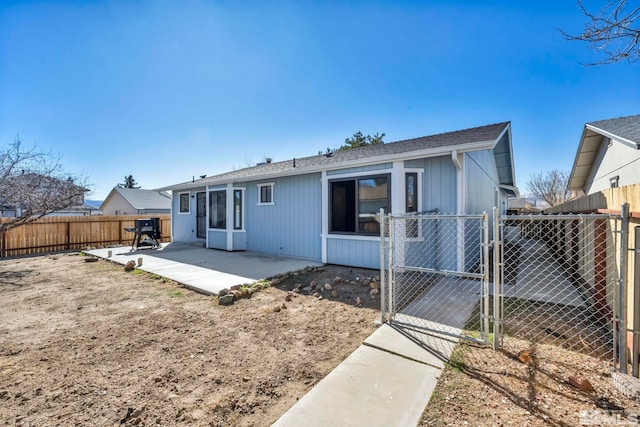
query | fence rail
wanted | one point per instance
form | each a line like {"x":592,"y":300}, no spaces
{"x":60,"y":233}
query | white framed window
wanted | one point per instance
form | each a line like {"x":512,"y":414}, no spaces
{"x":265,"y":193}
{"x":218,"y":209}
{"x":185,"y":203}
{"x":355,"y":202}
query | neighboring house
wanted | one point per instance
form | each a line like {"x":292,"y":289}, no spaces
{"x":522,"y":205}
{"x":33,"y":193}
{"x":136,"y":201}
{"x":325,"y":208}
{"x":608,"y":155}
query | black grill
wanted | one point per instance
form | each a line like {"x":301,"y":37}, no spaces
{"x":148,"y":227}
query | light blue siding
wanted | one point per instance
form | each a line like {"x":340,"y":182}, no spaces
{"x":615,"y":160}
{"x":239,"y":241}
{"x":481,"y":176}
{"x":289,"y":227}
{"x":368,"y":168}
{"x":354,"y":253}
{"x":183,"y":226}
{"x":217,"y":239}
{"x":438,"y":183}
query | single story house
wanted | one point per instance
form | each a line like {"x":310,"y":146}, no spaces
{"x":608,"y":155}
{"x":136,"y":201}
{"x":324,"y":208}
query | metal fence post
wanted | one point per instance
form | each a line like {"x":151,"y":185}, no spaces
{"x":636,"y":301}
{"x":497,"y":298}
{"x":622,"y":311}
{"x":383,"y":279}
{"x":390,"y":226}
{"x":485,"y":296}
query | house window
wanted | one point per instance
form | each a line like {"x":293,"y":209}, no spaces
{"x":237,"y":209}
{"x":218,"y":209}
{"x":614,"y":181}
{"x":411,"y":202}
{"x":184,"y":203}
{"x":354,"y":204}
{"x":265,"y":194}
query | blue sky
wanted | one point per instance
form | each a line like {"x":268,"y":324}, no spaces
{"x":166,"y":90}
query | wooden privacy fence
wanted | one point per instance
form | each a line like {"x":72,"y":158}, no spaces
{"x":61,"y":233}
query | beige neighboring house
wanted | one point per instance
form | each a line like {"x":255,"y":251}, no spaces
{"x":136,"y":201}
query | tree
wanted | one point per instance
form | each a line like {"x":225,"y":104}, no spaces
{"x":551,"y":186}
{"x":33,"y":184}
{"x":129,"y":182}
{"x":359,"y":140}
{"x":613,"y":32}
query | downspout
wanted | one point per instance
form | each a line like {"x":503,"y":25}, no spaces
{"x":460,"y":208}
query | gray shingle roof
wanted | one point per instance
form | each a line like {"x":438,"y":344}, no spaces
{"x":624,"y":127}
{"x":145,"y":199}
{"x":488,"y":133}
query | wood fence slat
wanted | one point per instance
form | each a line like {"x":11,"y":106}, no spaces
{"x":73,"y":232}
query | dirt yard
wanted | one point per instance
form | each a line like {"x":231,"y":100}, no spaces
{"x":89,"y":344}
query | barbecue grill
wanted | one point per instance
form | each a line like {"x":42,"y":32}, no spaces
{"x":149,"y":227}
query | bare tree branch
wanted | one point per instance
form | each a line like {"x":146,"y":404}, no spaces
{"x":551,"y":186}
{"x":33,"y":184}
{"x":613,"y":33}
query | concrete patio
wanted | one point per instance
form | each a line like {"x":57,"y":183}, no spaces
{"x":203,"y":270}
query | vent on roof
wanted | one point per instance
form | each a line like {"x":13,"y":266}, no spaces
{"x":268,"y":160}
{"x":261,"y":163}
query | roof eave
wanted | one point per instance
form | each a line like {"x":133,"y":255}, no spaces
{"x":610,"y":135}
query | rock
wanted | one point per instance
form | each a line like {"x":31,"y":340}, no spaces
{"x":328,"y":286}
{"x":235,"y":287}
{"x":306,"y":289}
{"x":357,"y":278}
{"x":275,"y":282}
{"x":223,"y":292}
{"x":580,"y":383}
{"x":288,"y":298}
{"x":296,"y":290}
{"x":236,"y":294}
{"x":353,"y":282}
{"x":320,"y":297}
{"x":374,"y":285}
{"x":226,"y":299}
{"x":313,"y":284}
{"x":283,"y":306}
{"x":296,"y":273}
{"x":525,"y":357}
{"x":358,"y":301}
{"x":276,"y":309}
{"x":131,"y":265}
{"x":337,"y":280}
{"x":316,"y":294}
{"x":374,"y":291}
{"x":334,"y":294}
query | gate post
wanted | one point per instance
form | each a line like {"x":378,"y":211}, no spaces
{"x":636,"y":301}
{"x":485,"y":287}
{"x":497,"y":287}
{"x":383,"y":281}
{"x":622,"y":289}
{"x":390,"y":311}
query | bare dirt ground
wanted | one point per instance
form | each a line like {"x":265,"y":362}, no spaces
{"x":88,"y":344}
{"x":484,"y":387}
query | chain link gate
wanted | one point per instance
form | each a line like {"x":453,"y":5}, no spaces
{"x":436,"y":274}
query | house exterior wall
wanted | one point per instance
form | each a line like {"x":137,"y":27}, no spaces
{"x":481,"y":182}
{"x":291,"y":226}
{"x":183,"y":225}
{"x":438,"y":183}
{"x":118,"y":205}
{"x":613,"y":159}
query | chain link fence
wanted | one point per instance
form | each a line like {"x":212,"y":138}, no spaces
{"x":556,"y":281}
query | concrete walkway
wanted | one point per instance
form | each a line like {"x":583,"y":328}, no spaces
{"x":385,"y":382}
{"x":204,"y":270}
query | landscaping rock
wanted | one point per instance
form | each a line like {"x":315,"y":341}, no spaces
{"x":328,"y":286}
{"x":226,"y":299}
{"x":306,"y":289}
{"x":580,"y":383}
{"x":525,"y":357}
{"x":374,"y":291}
{"x":131,"y":265}
{"x":223,"y":292}
{"x":334,"y":294}
{"x":236,"y":294}
{"x":276,"y":309}
{"x":235,"y":287}
{"x":276,"y":281}
{"x":374,"y":285}
{"x":337,"y":280}
{"x":313,"y":284}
